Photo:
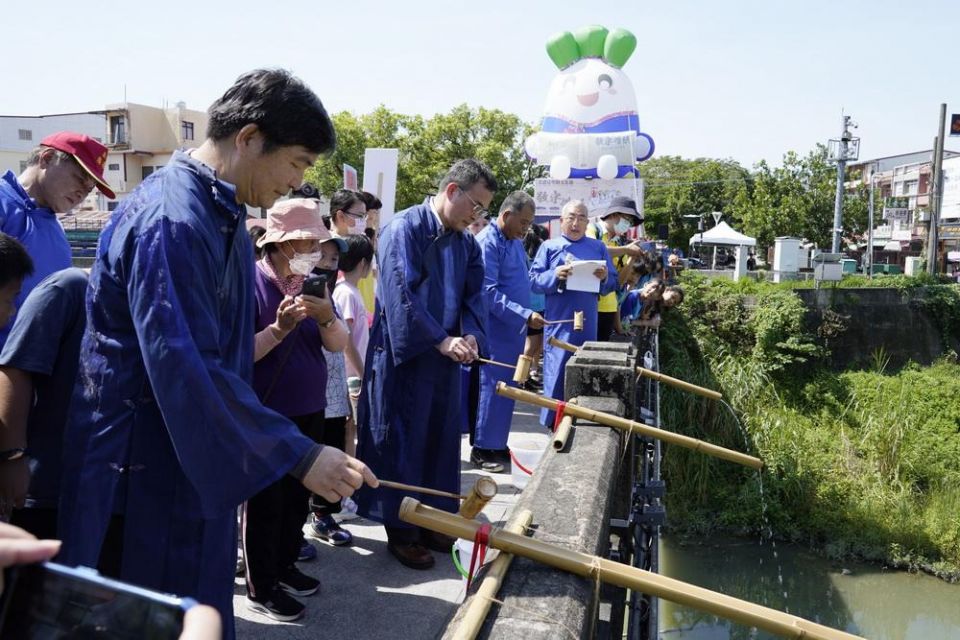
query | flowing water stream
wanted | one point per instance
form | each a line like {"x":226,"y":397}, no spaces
{"x":863,"y":599}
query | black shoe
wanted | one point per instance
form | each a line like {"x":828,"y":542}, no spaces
{"x":278,"y":605}
{"x":502,"y":456}
{"x":484,"y":460}
{"x":297,"y":583}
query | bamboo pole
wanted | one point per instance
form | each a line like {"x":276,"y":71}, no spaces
{"x":521,"y":370}
{"x":563,"y":432}
{"x":629,"y":425}
{"x":680,"y":384}
{"x":656,"y":375}
{"x":478,"y":608}
{"x":566,"y":346}
{"x":484,"y":489}
{"x":625,"y":576}
{"x":390,"y":484}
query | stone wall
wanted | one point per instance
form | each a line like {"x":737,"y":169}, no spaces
{"x":857,"y":323}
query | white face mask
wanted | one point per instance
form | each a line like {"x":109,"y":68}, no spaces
{"x":623,"y":225}
{"x":303,"y":263}
{"x":357,"y":226}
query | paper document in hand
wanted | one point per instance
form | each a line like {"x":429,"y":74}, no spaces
{"x":582,"y":278}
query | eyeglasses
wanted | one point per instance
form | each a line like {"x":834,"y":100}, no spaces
{"x":478,"y":209}
{"x":355,"y":216}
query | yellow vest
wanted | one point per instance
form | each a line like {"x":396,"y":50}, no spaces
{"x":608,"y":303}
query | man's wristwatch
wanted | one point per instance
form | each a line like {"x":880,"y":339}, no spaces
{"x":11,"y":454}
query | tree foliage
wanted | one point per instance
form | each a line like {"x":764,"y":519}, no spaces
{"x":427,"y":148}
{"x":794,"y":199}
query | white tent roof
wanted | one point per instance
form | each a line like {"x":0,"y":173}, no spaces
{"x":723,"y":234}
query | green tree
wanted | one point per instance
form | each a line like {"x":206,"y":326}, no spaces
{"x":427,"y":148}
{"x":675,"y":187}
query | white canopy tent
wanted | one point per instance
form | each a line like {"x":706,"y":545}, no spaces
{"x":723,"y":235}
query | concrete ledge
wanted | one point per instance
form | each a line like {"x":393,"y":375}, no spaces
{"x":569,"y":496}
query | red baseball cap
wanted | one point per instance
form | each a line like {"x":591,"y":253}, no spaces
{"x":89,"y":154}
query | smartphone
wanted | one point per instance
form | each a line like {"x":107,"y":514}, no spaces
{"x":315,"y":286}
{"x":51,"y":601}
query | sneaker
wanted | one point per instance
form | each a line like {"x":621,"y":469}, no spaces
{"x":348,"y":510}
{"x":307,"y":552}
{"x":297,"y":583}
{"x":485,"y":460}
{"x":325,"y":528}
{"x":278,"y":606}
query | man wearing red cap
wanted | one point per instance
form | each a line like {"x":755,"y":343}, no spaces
{"x":59,"y":175}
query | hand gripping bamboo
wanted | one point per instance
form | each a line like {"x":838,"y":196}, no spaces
{"x":629,"y":425}
{"x":478,"y":608}
{"x":621,"y":575}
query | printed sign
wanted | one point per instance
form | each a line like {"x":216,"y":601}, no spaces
{"x":896,"y":209}
{"x":550,"y":195}
{"x":349,"y":178}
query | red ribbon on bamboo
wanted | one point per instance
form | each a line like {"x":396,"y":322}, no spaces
{"x":480,"y":541}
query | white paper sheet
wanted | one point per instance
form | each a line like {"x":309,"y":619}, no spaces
{"x":582,"y":278}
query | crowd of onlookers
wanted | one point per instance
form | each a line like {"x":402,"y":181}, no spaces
{"x":210,"y":361}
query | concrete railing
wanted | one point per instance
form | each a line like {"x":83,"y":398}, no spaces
{"x":570,"y":496}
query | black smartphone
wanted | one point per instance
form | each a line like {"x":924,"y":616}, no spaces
{"x":51,"y":601}
{"x":315,"y":286}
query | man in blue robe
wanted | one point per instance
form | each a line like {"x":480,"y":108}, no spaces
{"x":430,"y":317}
{"x":548,"y":275}
{"x":506,"y":285}
{"x":168,"y":437}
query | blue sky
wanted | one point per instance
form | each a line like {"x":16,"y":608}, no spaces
{"x":747,"y":80}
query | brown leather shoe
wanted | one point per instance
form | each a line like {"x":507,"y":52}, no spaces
{"x":436,"y":541}
{"x":412,"y":555}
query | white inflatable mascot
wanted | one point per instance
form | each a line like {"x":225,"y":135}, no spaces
{"x":590,"y":125}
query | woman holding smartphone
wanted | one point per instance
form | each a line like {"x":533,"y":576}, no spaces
{"x":293,"y":329}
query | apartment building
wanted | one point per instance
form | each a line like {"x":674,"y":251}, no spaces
{"x":141,"y":139}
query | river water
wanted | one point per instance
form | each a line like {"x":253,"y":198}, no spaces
{"x":859,"y":598}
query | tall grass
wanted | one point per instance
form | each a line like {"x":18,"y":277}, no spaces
{"x":857,"y":462}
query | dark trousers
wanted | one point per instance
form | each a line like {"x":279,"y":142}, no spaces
{"x":606,"y":320}
{"x":333,"y":434}
{"x":272,"y":523}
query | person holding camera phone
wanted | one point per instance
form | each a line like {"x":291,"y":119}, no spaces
{"x":295,"y":321}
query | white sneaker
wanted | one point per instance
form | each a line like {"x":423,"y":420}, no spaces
{"x":348,"y":510}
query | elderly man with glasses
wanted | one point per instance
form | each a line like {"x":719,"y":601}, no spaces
{"x":548,"y":274}
{"x":60,"y":173}
{"x":431,"y":317}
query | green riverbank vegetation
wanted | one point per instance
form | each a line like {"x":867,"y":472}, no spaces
{"x":858,"y":463}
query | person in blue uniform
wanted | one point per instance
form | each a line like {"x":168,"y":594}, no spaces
{"x":430,"y":318}
{"x":60,"y":173}
{"x":506,"y":285}
{"x":167,"y":436}
{"x":548,"y":275}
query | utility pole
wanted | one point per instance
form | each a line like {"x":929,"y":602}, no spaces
{"x":936,"y":177}
{"x":846,"y":148}
{"x":868,"y":262}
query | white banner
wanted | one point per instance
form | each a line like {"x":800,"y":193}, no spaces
{"x":380,"y":178}
{"x":550,"y":195}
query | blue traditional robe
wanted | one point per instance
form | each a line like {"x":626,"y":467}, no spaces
{"x":430,"y":286}
{"x":562,"y":305}
{"x":167,"y":431}
{"x":506,"y":286}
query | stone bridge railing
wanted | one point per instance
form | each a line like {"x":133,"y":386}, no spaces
{"x":573,"y":495}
